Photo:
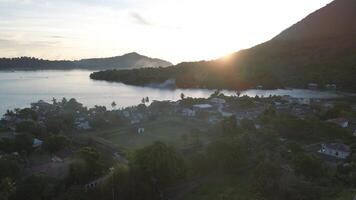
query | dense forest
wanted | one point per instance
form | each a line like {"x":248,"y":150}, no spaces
{"x":130,"y":60}
{"x":319,"y":49}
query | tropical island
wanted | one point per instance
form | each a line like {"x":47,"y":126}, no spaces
{"x":126,"y":61}
{"x":319,"y":49}
{"x":222,"y":147}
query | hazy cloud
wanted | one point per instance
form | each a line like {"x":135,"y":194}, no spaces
{"x":15,"y":44}
{"x":138,"y":19}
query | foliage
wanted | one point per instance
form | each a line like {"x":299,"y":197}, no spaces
{"x":227,"y":153}
{"x":55,"y":143}
{"x":88,"y":166}
{"x":9,"y":167}
{"x":308,"y":165}
{"x":37,"y":187}
{"x":7,"y":188}
{"x":160,"y":164}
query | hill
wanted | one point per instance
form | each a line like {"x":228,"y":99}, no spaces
{"x":127,"y":61}
{"x":320,"y":48}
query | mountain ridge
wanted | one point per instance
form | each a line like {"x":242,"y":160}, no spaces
{"x":321,"y":48}
{"x":126,"y":61}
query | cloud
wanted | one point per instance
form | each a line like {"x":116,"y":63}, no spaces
{"x":138,"y":19}
{"x":15,"y":44}
{"x":16,"y":1}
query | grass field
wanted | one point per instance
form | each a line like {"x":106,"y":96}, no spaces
{"x":174,"y":131}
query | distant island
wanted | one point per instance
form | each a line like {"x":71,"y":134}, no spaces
{"x":320,"y":49}
{"x":127,"y":61}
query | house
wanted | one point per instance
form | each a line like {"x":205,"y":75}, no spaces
{"x":213,"y":120}
{"x":95,"y":183}
{"x":337,"y":150}
{"x":217,"y":100}
{"x":202,"y":107}
{"x":303,"y":101}
{"x":135,"y":121}
{"x":301,"y":111}
{"x":188,"y":112}
{"x":312,"y":86}
{"x":342,"y":122}
{"x":83,"y":126}
{"x":126,"y":113}
{"x":37,"y":143}
{"x":140,"y":130}
{"x":330,"y":86}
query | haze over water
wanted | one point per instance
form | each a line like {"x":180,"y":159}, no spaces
{"x":19,"y":89}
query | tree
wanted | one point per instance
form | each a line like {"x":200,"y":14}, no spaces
{"x":227,"y":153}
{"x":247,"y":124}
{"x":238,"y":93}
{"x":54,"y":101}
{"x":37,"y":187}
{"x":87,"y":167}
{"x":182,"y":96}
{"x":147,"y":100}
{"x":308,"y":165}
{"x":23,"y":142}
{"x":266,"y":181}
{"x":229,"y":125}
{"x":113,"y":104}
{"x":143,"y":101}
{"x":160,"y":164}
{"x":7,"y":188}
{"x":118,"y":182}
{"x":55,"y":143}
{"x":9,"y":168}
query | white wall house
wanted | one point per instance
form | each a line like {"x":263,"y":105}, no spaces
{"x":202,"y":107}
{"x":188,"y":112}
{"x":337,"y":150}
{"x":342,"y":122}
{"x":140,"y":131}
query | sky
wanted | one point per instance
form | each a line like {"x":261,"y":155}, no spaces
{"x":174,"y":30}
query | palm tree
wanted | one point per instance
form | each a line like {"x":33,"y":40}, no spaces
{"x":182,"y":96}
{"x":113,"y":104}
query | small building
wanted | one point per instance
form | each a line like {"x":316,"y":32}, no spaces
{"x":313,"y":86}
{"x":140,"y":131}
{"x":83,"y":126}
{"x":188,"y":112}
{"x":37,"y":143}
{"x":201,"y":107}
{"x":336,"y":150}
{"x":82,"y":123}
{"x":95,"y":183}
{"x":126,"y":113}
{"x":330,"y":86}
{"x":342,"y":122}
{"x":217,"y":100}
{"x":135,"y":121}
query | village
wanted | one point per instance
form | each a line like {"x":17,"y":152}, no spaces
{"x":27,"y":135}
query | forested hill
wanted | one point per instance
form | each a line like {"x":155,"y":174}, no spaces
{"x":127,"y":61}
{"x":320,"y":49}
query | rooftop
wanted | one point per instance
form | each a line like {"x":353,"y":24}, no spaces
{"x":338,"y":146}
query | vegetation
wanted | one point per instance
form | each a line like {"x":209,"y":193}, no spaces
{"x":302,"y":54}
{"x":130,"y":60}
